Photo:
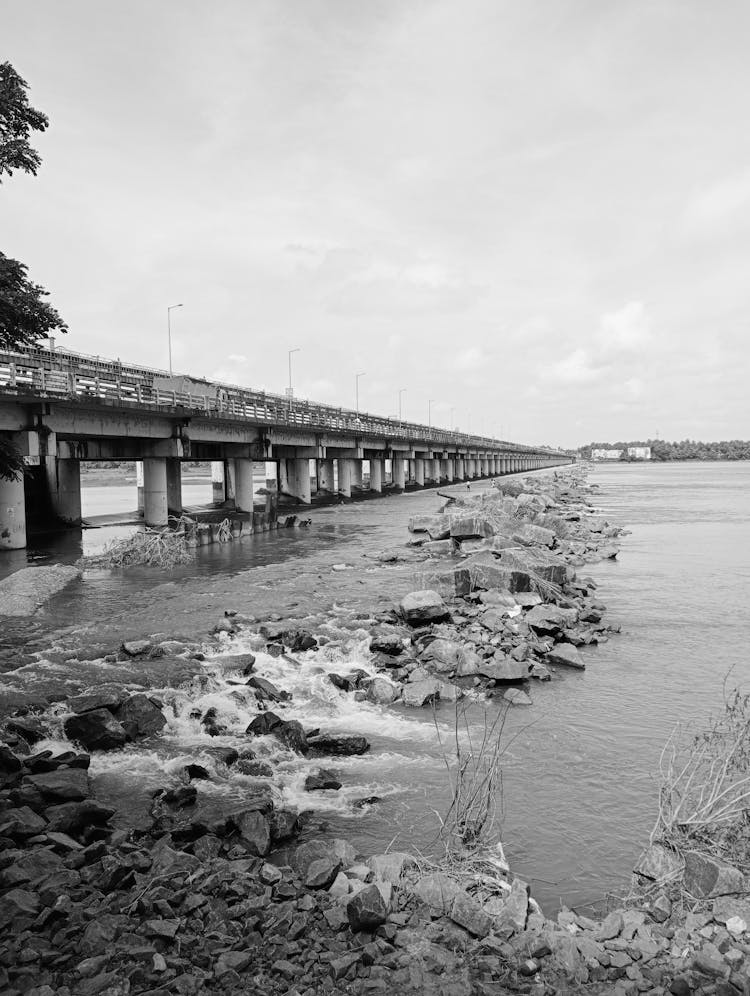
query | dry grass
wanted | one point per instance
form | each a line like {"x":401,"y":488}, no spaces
{"x":163,"y":548}
{"x":704,"y":795}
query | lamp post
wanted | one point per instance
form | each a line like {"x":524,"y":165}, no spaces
{"x":170,"y":309}
{"x":401,"y":391}
{"x":356,"y":389}
{"x":429,"y":413}
{"x":297,"y":350}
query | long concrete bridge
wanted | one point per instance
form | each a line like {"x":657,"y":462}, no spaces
{"x":59,"y":408}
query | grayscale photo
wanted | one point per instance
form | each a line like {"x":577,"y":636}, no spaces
{"x":374,"y":498}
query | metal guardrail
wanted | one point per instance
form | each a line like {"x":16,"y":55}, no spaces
{"x":53,"y":373}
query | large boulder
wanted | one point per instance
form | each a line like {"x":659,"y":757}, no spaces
{"x":419,"y":608}
{"x":387,"y":643}
{"x":503,"y":669}
{"x":63,"y":785}
{"x":467,"y":913}
{"x":420,"y":693}
{"x":317,"y":864}
{"x":444,"y":654}
{"x":550,"y":619}
{"x":107,"y":696}
{"x":289,"y":731}
{"x":338,"y":743}
{"x":707,"y":876}
{"x":437,"y":891}
{"x":381,"y":691}
{"x":73,"y":817}
{"x":140,"y":716}
{"x":254,"y":831}
{"x":95,"y":730}
{"x":469,"y":663}
{"x":531,"y":535}
{"x":470,"y":527}
{"x":367,"y":909}
{"x":567,"y":655}
{"x":488,"y":572}
{"x":437,"y":526}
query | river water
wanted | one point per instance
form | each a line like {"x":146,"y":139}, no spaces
{"x":579,"y":794}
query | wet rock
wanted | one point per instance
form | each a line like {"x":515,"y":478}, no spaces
{"x":289,"y":731}
{"x":504,"y":669}
{"x":437,"y":526}
{"x":318,"y":866}
{"x":283,"y":825}
{"x":387,"y":643}
{"x":550,"y":618}
{"x":72,"y":817}
{"x":381,"y":691}
{"x":9,"y":764}
{"x":707,"y":876}
{"x":321,"y":780}
{"x":299,"y":640}
{"x":469,"y":663}
{"x":141,"y":716}
{"x":96,"y":730}
{"x":367,"y":909}
{"x":21,"y":823}
{"x":444,"y":654}
{"x":136,"y":648}
{"x":256,"y":769}
{"x":422,"y":607}
{"x":63,"y":785}
{"x":196,"y":771}
{"x":266,"y":690}
{"x":29,"y":727}
{"x":338,"y":743}
{"x":611,"y":927}
{"x":254,"y":831}
{"x":540,"y":672}
{"x":107,"y":696}
{"x":567,"y":655}
{"x":420,"y":693}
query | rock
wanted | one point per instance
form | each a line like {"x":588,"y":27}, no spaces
{"x":438,"y":548}
{"x":321,"y":780}
{"x":516,"y":697}
{"x":254,"y":830}
{"x":266,"y":690}
{"x":283,"y":825}
{"x":338,"y":967}
{"x":18,"y":904}
{"x":21,"y":823}
{"x":540,"y":672}
{"x":381,"y":691}
{"x":531,"y":535}
{"x":288,"y":731}
{"x":420,"y":693}
{"x":72,"y":817}
{"x":444,"y":653}
{"x":367,"y":909}
{"x":63,"y":785}
{"x":236,"y":961}
{"x":707,"y":876}
{"x":470,"y":527}
{"x":255,"y":769}
{"x":467,"y":913}
{"x":25,"y":590}
{"x":96,"y":730}
{"x":503,"y":669}
{"x":139,"y":714}
{"x":550,"y":618}
{"x":422,"y":607}
{"x":29,"y":727}
{"x":338,"y":743}
{"x":388,"y":643}
{"x":437,"y":891}
{"x":136,"y":648}
{"x":611,"y":927}
{"x":317,"y":864}
{"x":469,"y":663}
{"x":567,"y":655}
{"x":659,"y":864}
{"x":106,"y":696}
{"x":438,"y":526}
{"x":299,"y":640}
{"x":515,"y":907}
{"x":391,"y":867}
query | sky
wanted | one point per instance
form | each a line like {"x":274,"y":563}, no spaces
{"x":530,"y":218}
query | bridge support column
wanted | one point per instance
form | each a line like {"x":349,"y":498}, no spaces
{"x":357,"y":473}
{"x":64,"y":488}
{"x":244,"y":485}
{"x":459,"y":468}
{"x":217,"y":481}
{"x":434,"y":471}
{"x":12,"y":515}
{"x":345,"y":476}
{"x":325,"y":475}
{"x":450,"y":470}
{"x":139,"y":483}
{"x":299,"y":479}
{"x":412,"y":471}
{"x":399,"y":473}
{"x":155,"y":491}
{"x":419,"y":471}
{"x":376,"y":475}
{"x":174,"y":487}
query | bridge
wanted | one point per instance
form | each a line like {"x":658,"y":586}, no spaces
{"x":60,"y":408}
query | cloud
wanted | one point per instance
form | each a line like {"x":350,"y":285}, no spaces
{"x":576,"y":368}
{"x":626,"y":330}
{"x":722,"y":206}
{"x":237,"y":358}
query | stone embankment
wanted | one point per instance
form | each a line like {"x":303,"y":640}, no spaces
{"x":235,"y":903}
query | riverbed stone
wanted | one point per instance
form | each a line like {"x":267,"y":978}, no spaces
{"x":387,"y":643}
{"x":381,"y":691}
{"x":503,"y":669}
{"x":550,"y":618}
{"x":254,"y":831}
{"x":566,"y":655}
{"x":419,"y":608}
{"x":443,"y":653}
{"x":437,"y":890}
{"x":420,"y":693}
{"x":63,"y":785}
{"x":95,"y":730}
{"x":317,"y":864}
{"x":338,"y":743}
{"x":321,"y":780}
{"x":707,"y":876}
{"x":467,"y":913}
{"x":367,"y":909}
{"x":141,"y":716}
{"x":107,"y":696}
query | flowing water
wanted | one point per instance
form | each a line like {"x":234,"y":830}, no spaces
{"x":579,"y":794}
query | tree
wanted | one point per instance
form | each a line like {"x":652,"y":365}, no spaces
{"x":24,"y":316}
{"x":17,"y":120}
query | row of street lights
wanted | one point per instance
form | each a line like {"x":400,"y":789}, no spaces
{"x":298,"y":349}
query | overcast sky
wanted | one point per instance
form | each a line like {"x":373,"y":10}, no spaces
{"x":535,"y":213}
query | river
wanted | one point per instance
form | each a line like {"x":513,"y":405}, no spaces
{"x":579,"y":795}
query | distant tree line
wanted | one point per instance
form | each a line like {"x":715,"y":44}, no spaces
{"x":687,"y":449}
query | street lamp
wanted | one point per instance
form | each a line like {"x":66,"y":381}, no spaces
{"x":356,"y":388}
{"x":297,"y":350}
{"x":429,"y":413}
{"x":169,"y":332}
{"x":401,"y":391}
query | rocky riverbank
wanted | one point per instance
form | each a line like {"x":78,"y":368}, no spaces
{"x":194,"y":899}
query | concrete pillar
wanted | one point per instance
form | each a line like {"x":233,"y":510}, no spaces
{"x":412,"y":470}
{"x":284,"y":482}
{"x":376,"y":475}
{"x":64,"y":488}
{"x":435,"y":471}
{"x":460,"y":468}
{"x":419,"y":471}
{"x":298,"y":479}
{"x":399,"y":472}
{"x":155,"y":491}
{"x":12,"y":515}
{"x":217,"y":481}
{"x":174,"y":487}
{"x":450,"y":470}
{"x":325,"y":475}
{"x":139,"y":483}
{"x":244,"y":484}
{"x":357,"y":473}
{"x":345,"y":476}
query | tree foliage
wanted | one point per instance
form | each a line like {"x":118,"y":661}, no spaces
{"x":17,"y":120}
{"x":687,"y":449}
{"x":25,"y":317}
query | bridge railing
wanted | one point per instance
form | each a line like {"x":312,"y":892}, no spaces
{"x":62,"y":374}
